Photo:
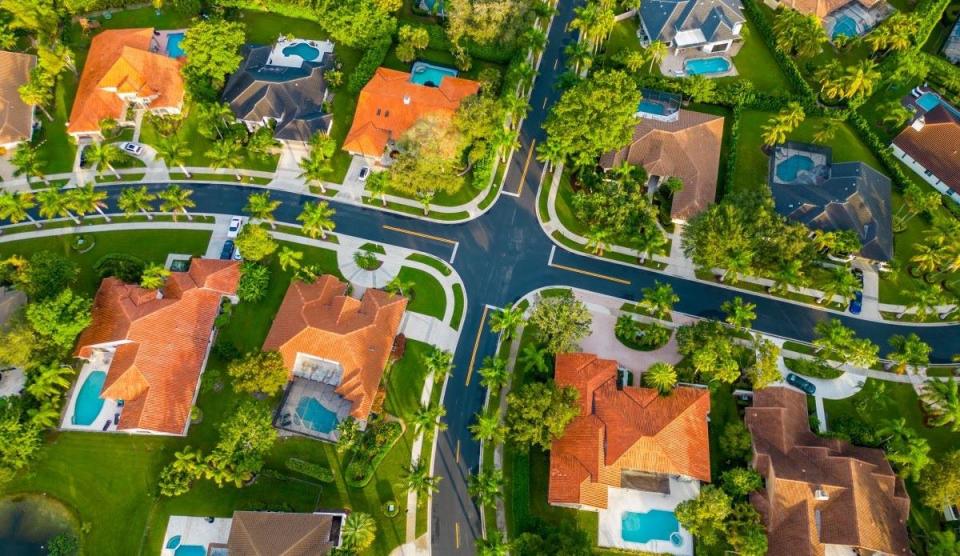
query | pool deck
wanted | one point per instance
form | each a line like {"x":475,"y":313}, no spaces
{"x":196,"y":531}
{"x":672,"y":65}
{"x":109,"y":409}
{"x":278,"y":58}
{"x":620,"y":500}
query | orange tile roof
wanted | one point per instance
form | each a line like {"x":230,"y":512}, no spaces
{"x":16,"y":117}
{"x":390,"y":104}
{"x":624,"y":429}
{"x":120,"y":59}
{"x":865,"y":504}
{"x":936,"y":146}
{"x":823,"y":8}
{"x":157,"y":369}
{"x":320,"y":320}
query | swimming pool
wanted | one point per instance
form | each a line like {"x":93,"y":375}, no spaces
{"x":89,"y":403}
{"x":789,"y":169}
{"x":704,"y":66}
{"x":174,"y":50}
{"x":303,"y":50}
{"x":655,"y":525}
{"x":651,"y":107}
{"x":845,"y":26}
{"x":928,"y":101}
{"x":430,"y":75}
{"x":190,"y":550}
{"x":316,"y":416}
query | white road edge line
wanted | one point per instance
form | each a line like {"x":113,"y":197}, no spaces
{"x":510,"y":193}
{"x":453,"y":255}
{"x":553,"y":249}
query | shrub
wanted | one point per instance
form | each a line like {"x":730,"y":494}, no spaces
{"x":367,"y":66}
{"x":376,"y":443}
{"x":318,"y":472}
{"x":120,"y":265}
{"x":254,"y":280}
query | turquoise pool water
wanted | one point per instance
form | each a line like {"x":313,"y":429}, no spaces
{"x":429,"y":4}
{"x":928,"y":101}
{"x":845,"y":26}
{"x":173,"y":542}
{"x":430,"y":75}
{"x":789,"y":169}
{"x":89,"y":402}
{"x":704,"y":66}
{"x":315,"y":416}
{"x":655,"y":525}
{"x":190,"y":550}
{"x":303,"y":50}
{"x":174,"y":50}
{"x":651,"y":107}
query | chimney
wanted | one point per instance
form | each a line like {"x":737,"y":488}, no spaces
{"x":406,"y":99}
{"x":918,"y":124}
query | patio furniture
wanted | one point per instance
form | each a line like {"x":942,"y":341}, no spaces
{"x":106,"y":426}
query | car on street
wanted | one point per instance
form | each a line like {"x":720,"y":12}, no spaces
{"x":856,"y":304}
{"x":133,"y":149}
{"x":364,"y":173}
{"x":235,"y":223}
{"x":803,"y":384}
{"x":227,"y":250}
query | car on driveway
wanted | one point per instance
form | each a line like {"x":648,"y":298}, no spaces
{"x":236,"y":254}
{"x":803,"y":384}
{"x":235,"y":223}
{"x":133,"y":149}
{"x":227,"y":250}
{"x":364,"y":173}
{"x":856,"y":304}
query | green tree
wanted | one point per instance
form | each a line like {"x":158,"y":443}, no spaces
{"x":661,"y":376}
{"x":15,"y":207}
{"x":940,"y":486}
{"x":506,"y":320}
{"x":488,"y":428}
{"x":173,"y":151}
{"x":765,"y":369}
{"x":747,"y":534}
{"x":359,"y":531}
{"x":262,"y":207}
{"x":17,"y":344}
{"x":711,"y":350}
{"x":493,"y":545}
{"x":46,"y":274}
{"x":245,"y":438}
{"x":48,"y":382}
{"x":349,"y":435}
{"x":538,"y":413}
{"x":411,"y":40}
{"x":177,"y":477}
{"x":358,"y":23}
{"x":535,"y":360}
{"x":225,"y":154}
{"x":494,"y":373}
{"x":63,"y":544}
{"x":429,"y":418}
{"x":735,"y":442}
{"x":705,"y":515}
{"x":439,"y":363}
{"x":212,"y":51}
{"x":908,"y":452}
{"x":26,"y":162}
{"x":59,"y":320}
{"x":839,"y":345}
{"x":290,"y":259}
{"x":317,"y":219}
{"x":561,"y":321}
{"x":260,"y":371}
{"x":254,"y":281}
{"x":154,"y":277}
{"x":942,"y":403}
{"x":659,"y":300}
{"x":739,"y":313}
{"x":136,"y":199}
{"x":102,"y":156}
{"x":701,"y":89}
{"x":417,"y":479}
{"x":739,"y":482}
{"x":176,"y":201}
{"x":486,"y":487}
{"x":908,"y":351}
{"x":943,"y":543}
{"x":255,"y":243}
{"x":798,"y":34}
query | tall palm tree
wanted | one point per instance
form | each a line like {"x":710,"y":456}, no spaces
{"x":173,"y":151}
{"x":425,"y":198}
{"x":54,"y":204}
{"x":842,"y":282}
{"x":774,"y":131}
{"x":417,"y":479}
{"x":15,"y":207}
{"x":661,"y":376}
{"x":290,"y":258}
{"x":506,"y":320}
{"x":926,"y":300}
{"x":136,"y":199}
{"x":429,"y":418}
{"x":505,"y":140}
{"x":943,"y":403}
{"x":908,"y":351}
{"x":86,"y":199}
{"x":860,"y":79}
{"x":225,"y":154}
{"x":740,"y":313}
{"x":789,"y":273}
{"x":176,"y":200}
{"x":26,"y":162}
{"x":313,"y":170}
{"x":488,"y":428}
{"x":358,"y":532}
{"x":535,"y":359}
{"x":486,"y":486}
{"x":597,"y":240}
{"x":827,"y":130}
{"x":659,"y":300}
{"x":516,"y":107}
{"x":551,"y":153}
{"x":49,"y":381}
{"x":493,"y":373}
{"x":793,"y":114}
{"x":317,"y":219}
{"x":649,"y":240}
{"x":580,"y":54}
{"x":102,"y":156}
{"x":438,"y":363}
{"x":656,"y":51}
{"x":377,"y":185}
{"x":261,"y":207}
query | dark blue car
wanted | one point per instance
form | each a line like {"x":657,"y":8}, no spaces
{"x":856,"y":304}
{"x":803,"y":384}
{"x":227,"y":252}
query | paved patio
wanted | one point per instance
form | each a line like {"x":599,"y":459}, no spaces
{"x":623,"y":500}
{"x":194,"y":531}
{"x":673,"y":63}
{"x":602,"y":342}
{"x":110,"y":409}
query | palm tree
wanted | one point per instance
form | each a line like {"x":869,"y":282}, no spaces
{"x":739,"y":313}
{"x":154,"y":277}
{"x":493,"y":373}
{"x":86,"y":199}
{"x":597,"y":240}
{"x":317,"y":219}
{"x":506,"y":320}
{"x":15,"y":207}
{"x":44,"y":417}
{"x":225,"y":154}
{"x":417,"y":479}
{"x":659,"y":300}
{"x":136,"y":199}
{"x":774,"y":131}
{"x":313,"y":170}
{"x":793,"y":114}
{"x":580,"y":54}
{"x":656,"y":52}
{"x":910,"y":453}
{"x":842,"y":282}
{"x":493,"y":545}
{"x":926,"y":300}
{"x":26,"y":162}
{"x":428,"y":418}
{"x":551,"y":153}
{"x":625,"y":327}
{"x":377,"y":185}
{"x":488,"y":428}
{"x":789,"y":273}
{"x":895,"y":114}
{"x":438,"y":363}
{"x":534,"y":358}
{"x":399,"y":286}
{"x":908,"y":351}
{"x":943,"y":543}
{"x":486,"y":486}
{"x":173,"y":151}
{"x":649,"y":240}
{"x":827,"y":130}
{"x":505,"y":140}
{"x":661,"y":376}
{"x":943,"y":403}
{"x":54,"y":204}
{"x":49,"y":381}
{"x":261,"y":207}
{"x":102,"y":156}
{"x":425,"y":198}
{"x":358,"y":532}
{"x":176,"y":200}
{"x":860,"y":78}
{"x":516,"y":107}
{"x":290,"y":258}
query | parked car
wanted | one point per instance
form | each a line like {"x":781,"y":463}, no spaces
{"x":364,"y":173}
{"x":803,"y":384}
{"x":856,"y":304}
{"x":235,"y":223}
{"x":236,"y":254}
{"x":227,"y":250}
{"x":133,"y":149}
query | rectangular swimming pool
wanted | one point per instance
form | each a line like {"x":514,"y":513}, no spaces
{"x":707,"y":66}
{"x":654,"y":525}
{"x":174,"y":50}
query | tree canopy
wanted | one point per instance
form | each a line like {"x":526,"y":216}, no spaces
{"x":212,"y":50}
{"x":561,"y":321}
{"x":538,"y":413}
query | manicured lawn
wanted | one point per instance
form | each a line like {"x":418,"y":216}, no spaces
{"x":428,"y":295}
{"x":756,"y":63}
{"x":623,"y":38}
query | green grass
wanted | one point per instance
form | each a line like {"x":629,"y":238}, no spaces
{"x":623,"y":38}
{"x":428,"y":296}
{"x":756,"y":63}
{"x":441,"y":266}
{"x":458,"y":306}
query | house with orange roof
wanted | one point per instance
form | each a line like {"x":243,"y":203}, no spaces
{"x":631,"y":454}
{"x":127,"y":70}
{"x":336,"y":348}
{"x":394,"y":100}
{"x":16,"y":117}
{"x":146,"y":349}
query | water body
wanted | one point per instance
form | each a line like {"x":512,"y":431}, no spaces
{"x":27,"y":522}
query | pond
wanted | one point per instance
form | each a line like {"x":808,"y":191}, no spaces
{"x":27,"y":522}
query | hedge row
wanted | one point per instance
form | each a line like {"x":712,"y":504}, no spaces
{"x":359,"y":471}
{"x":300,"y":9}
{"x":731,"y":161}
{"x":930,"y":12}
{"x":318,"y":472}
{"x":786,"y":63}
{"x":367,"y":66}
{"x":881,"y":150}
{"x":944,"y":74}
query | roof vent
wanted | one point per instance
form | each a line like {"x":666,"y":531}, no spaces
{"x":821,"y":495}
{"x":406,"y":99}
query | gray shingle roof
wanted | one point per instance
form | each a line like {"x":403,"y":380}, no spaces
{"x":663,"y":19}
{"x":291,"y":96}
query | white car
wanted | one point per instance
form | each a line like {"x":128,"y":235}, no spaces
{"x":236,"y":254}
{"x":364,"y":173}
{"x":235,"y":224}
{"x":132,"y":149}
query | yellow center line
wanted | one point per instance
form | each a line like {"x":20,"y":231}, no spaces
{"x":588,"y":273}
{"x":458,"y":451}
{"x":476,"y":344}
{"x":526,"y":165}
{"x":419,"y":234}
{"x":456,"y":533}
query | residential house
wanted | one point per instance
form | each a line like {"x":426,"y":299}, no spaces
{"x":930,"y":146}
{"x":249,"y":533}
{"x":336,"y":348}
{"x":291,"y":97}
{"x":126,"y":71}
{"x":676,"y":143}
{"x":822,"y":496}
{"x":704,"y":25}
{"x":16,"y":117}
{"x":810,"y":188}
{"x":630,"y":448}
{"x":849,"y":18}
{"x":394,"y":100}
{"x":153,"y":345}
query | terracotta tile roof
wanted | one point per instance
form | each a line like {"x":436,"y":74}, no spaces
{"x":936,"y":146}
{"x":16,"y":117}
{"x":822,"y":8}
{"x":320,"y":320}
{"x":390,"y":104}
{"x":120,"y":59}
{"x":163,"y":342}
{"x":688,"y":148}
{"x":864,"y":504}
{"x":624,"y":429}
{"x":283,"y":534}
